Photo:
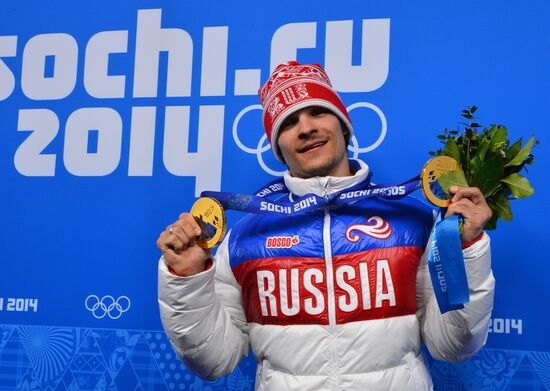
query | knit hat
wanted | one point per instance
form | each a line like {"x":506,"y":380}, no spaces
{"x":292,"y":87}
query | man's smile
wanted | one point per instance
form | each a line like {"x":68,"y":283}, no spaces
{"x":312,"y":146}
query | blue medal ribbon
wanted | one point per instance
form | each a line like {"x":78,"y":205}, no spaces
{"x":446,"y":264}
{"x":309,"y":202}
{"x":445,"y":259}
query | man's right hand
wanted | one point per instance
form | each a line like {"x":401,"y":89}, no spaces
{"x":178,"y":245}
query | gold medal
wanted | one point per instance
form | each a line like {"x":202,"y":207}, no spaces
{"x":432,"y":170}
{"x":210,"y":216}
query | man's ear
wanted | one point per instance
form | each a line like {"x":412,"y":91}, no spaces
{"x":345,"y":132}
{"x":281,"y":155}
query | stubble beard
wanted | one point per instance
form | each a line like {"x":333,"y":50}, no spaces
{"x":327,"y":168}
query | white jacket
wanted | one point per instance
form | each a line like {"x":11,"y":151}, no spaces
{"x":206,"y":320}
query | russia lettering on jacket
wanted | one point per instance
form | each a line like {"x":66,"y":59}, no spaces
{"x":366,"y":285}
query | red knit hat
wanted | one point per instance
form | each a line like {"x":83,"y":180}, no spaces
{"x":292,"y":87}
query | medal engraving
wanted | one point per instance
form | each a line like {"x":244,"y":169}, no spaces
{"x":432,"y":170}
{"x":209,"y":214}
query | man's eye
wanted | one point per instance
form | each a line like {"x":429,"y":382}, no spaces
{"x":288,"y":123}
{"x":318,"y":111}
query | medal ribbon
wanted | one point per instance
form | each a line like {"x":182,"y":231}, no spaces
{"x":308,"y":202}
{"x":446,"y":264}
{"x":445,"y":259}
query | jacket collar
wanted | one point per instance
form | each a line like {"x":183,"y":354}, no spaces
{"x":323,"y":186}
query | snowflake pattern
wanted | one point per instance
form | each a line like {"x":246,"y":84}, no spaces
{"x":275,"y":107}
{"x":301,"y":89}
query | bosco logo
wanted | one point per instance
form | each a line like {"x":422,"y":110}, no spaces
{"x":282,"y":241}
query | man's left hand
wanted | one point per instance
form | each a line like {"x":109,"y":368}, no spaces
{"x":470,"y":203}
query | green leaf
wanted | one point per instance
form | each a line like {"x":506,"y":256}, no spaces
{"x":479,"y":156}
{"x":525,"y":151}
{"x":489,"y":173}
{"x":500,"y":136}
{"x":500,"y":188}
{"x":493,"y":130}
{"x":482,"y":149}
{"x":519,"y":185}
{"x":451,"y":149}
{"x":502,"y":207}
{"x":452,"y":178}
{"x":513,"y":150}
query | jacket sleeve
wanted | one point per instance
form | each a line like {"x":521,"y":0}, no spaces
{"x":204,"y":318}
{"x":460,"y":334}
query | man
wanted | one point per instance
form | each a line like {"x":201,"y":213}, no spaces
{"x":336,"y":299}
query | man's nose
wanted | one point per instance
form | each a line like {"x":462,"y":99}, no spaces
{"x":306,"y":125}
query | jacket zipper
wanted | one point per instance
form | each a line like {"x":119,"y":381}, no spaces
{"x":333,"y":354}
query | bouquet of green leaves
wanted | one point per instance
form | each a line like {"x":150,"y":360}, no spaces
{"x":490,"y":162}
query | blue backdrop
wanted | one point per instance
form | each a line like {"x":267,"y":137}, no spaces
{"x":116,"y":114}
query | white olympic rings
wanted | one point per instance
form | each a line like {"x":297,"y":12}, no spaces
{"x":356,"y":150}
{"x":235,"y":134}
{"x":107,"y":306}
{"x":261,"y":148}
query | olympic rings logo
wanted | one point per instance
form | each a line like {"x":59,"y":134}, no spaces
{"x":107,"y":306}
{"x":263,"y":144}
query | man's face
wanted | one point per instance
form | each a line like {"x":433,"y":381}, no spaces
{"x":312,"y":143}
